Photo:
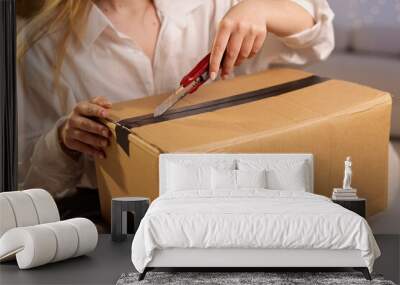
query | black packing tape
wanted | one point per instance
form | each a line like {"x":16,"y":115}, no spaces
{"x":223,"y":102}
{"x":122,"y":134}
{"x":123,"y":126}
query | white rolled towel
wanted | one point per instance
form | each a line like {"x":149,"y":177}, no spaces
{"x":45,"y":206}
{"x":41,"y":244}
{"x":7,"y":218}
{"x":23,"y":209}
{"x":26,"y":208}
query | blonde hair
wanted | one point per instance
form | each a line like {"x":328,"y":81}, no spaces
{"x":68,"y":15}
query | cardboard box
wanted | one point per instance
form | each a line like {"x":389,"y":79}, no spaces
{"x":277,"y":111}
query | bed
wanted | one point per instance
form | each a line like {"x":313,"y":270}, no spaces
{"x":247,"y":211}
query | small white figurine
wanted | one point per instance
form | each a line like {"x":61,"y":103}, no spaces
{"x":347,"y":174}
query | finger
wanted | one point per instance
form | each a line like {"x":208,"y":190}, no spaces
{"x":88,"y":138}
{"x":88,"y":125}
{"x":258,"y":43}
{"x":219,"y":46}
{"x":84,"y":148}
{"x":246,"y":48}
{"x":90,"y":110}
{"x":102,"y":101}
{"x":232,"y":52}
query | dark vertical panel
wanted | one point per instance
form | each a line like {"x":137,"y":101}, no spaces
{"x":8,"y":100}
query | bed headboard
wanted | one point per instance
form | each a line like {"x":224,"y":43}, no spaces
{"x":165,"y":159}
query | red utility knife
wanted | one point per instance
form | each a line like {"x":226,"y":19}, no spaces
{"x":189,"y":83}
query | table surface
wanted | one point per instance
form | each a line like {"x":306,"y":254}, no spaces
{"x":102,"y":266}
{"x":110,"y":259}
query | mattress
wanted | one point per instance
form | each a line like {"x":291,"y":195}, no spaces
{"x":251,"y":219}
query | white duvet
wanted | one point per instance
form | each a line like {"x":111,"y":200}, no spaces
{"x":250,"y":219}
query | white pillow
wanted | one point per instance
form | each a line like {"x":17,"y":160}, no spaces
{"x":188,"y":175}
{"x":292,"y":179}
{"x":281,"y":174}
{"x":237,"y":179}
{"x":223,"y":179}
{"x":251,"y":178}
{"x":181,"y":177}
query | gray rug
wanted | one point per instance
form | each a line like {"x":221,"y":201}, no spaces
{"x":243,"y":278}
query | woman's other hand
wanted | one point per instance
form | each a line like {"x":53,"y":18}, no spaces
{"x":80,"y":133}
{"x":243,"y":30}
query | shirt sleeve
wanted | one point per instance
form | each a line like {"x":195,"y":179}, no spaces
{"x":42,"y":109}
{"x":310,"y":45}
{"x":315,"y":43}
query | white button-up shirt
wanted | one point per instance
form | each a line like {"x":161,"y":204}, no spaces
{"x":104,"y":62}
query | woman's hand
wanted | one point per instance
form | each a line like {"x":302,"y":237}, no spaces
{"x":240,"y":35}
{"x":243,"y":30}
{"x":81,"y":134}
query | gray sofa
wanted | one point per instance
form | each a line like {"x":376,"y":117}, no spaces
{"x":368,"y":52}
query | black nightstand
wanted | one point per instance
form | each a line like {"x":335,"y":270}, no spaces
{"x":358,"y":206}
{"x":119,"y":219}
